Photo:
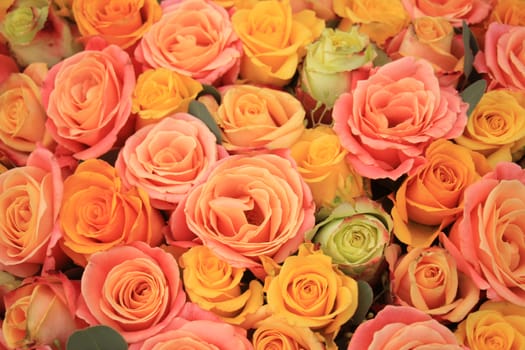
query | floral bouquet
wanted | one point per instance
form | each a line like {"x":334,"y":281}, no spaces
{"x":262,"y":174}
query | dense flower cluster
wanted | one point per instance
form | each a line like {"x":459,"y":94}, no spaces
{"x":262,"y":174}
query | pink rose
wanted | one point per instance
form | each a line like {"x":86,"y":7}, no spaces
{"x":167,"y":158}
{"x":30,"y":198}
{"x":402,"y":327}
{"x":88,"y":99}
{"x":389,"y":119}
{"x":487,"y":241}
{"x":194,"y":38}
{"x":134,"y":288}
{"x":249,"y":205}
{"x":503,"y":57}
{"x":455,"y":11}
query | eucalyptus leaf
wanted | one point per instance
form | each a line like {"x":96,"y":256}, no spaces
{"x":365,"y":300}
{"x":473,"y":93}
{"x":382,"y":58}
{"x":199,"y":110}
{"x":471,"y":49}
{"x":96,"y":338}
{"x":210,"y":90}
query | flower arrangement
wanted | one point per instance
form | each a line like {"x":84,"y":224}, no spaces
{"x":262,"y":174}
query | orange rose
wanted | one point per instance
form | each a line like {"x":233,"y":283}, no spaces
{"x":249,"y":206}
{"x":432,"y":198}
{"x":455,"y":11}
{"x":251,"y":117}
{"x":97,"y":213}
{"x":510,"y":12}
{"x":135,"y":289}
{"x":429,"y":280}
{"x":122,"y":25}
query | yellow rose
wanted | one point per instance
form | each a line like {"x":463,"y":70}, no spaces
{"x":496,"y":127}
{"x":309,"y":291}
{"x":321,"y":162}
{"x":216,"y":286}
{"x":496,"y":325}
{"x":379,"y":19}
{"x":508,"y":12}
{"x":274,"y":40}
{"x":160,"y":92}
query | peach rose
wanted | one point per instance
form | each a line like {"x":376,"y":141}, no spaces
{"x":323,"y":9}
{"x":496,"y":127}
{"x":493,"y":325}
{"x":160,"y":92}
{"x":400,"y":327}
{"x":389,"y":119}
{"x":248,"y":206}
{"x":429,"y":280}
{"x":252,"y":117}
{"x":22,"y":115}
{"x":167,"y":158}
{"x":432,"y":198}
{"x":40,"y":314}
{"x":274,"y":40}
{"x":98,"y":213}
{"x":216,"y":286}
{"x":30,"y":199}
{"x":378,"y":19}
{"x":487,"y":241}
{"x":134,"y":288}
{"x":87,"y":98}
{"x":122,"y":25}
{"x":502,"y":58}
{"x":309,"y":291}
{"x":455,"y":11}
{"x":194,"y":38}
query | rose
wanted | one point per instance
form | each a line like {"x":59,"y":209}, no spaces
{"x":30,"y":199}
{"x":329,"y":61}
{"x":495,"y":127}
{"x":97,"y":212}
{"x":321,"y":162}
{"x":216,"y":286}
{"x":487,"y":241}
{"x":24,"y":20}
{"x":87,"y":98}
{"x":502,"y":56}
{"x":433,"y":39}
{"x":160,"y":92}
{"x":172,"y":42}
{"x":432,"y":198}
{"x":455,"y":11}
{"x":508,"y":12}
{"x":275,"y":333}
{"x":121,"y":25}
{"x":355,"y":236}
{"x":249,"y":206}
{"x":309,"y":291}
{"x":252,"y":117}
{"x":8,"y":282}
{"x":133,"y":288}
{"x":494,"y":324}
{"x":167,"y":158}
{"x":41,"y":312}
{"x":378,"y":19}
{"x":389,"y":119}
{"x":322,"y":9}
{"x":273,"y":50}
{"x":8,"y":66}
{"x":429,"y":280}
{"x":397,"y":327}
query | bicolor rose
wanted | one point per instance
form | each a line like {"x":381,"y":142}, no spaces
{"x":87,"y":98}
{"x":389,"y":119}
{"x":168,"y":158}
{"x":194,"y":38}
{"x":487,"y":241}
{"x":133,"y":288}
{"x":455,"y":11}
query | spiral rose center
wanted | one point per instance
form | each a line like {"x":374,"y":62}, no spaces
{"x":429,"y":276}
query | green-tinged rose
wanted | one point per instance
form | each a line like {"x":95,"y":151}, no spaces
{"x":355,"y":236}
{"x":330,"y":59}
{"x":22,"y":23}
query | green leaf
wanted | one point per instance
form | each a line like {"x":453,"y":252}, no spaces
{"x":96,"y":338}
{"x":473,"y":93}
{"x":365,"y":300}
{"x":382,"y":58}
{"x":199,"y":110}
{"x":210,"y":90}
{"x":471,"y":49}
